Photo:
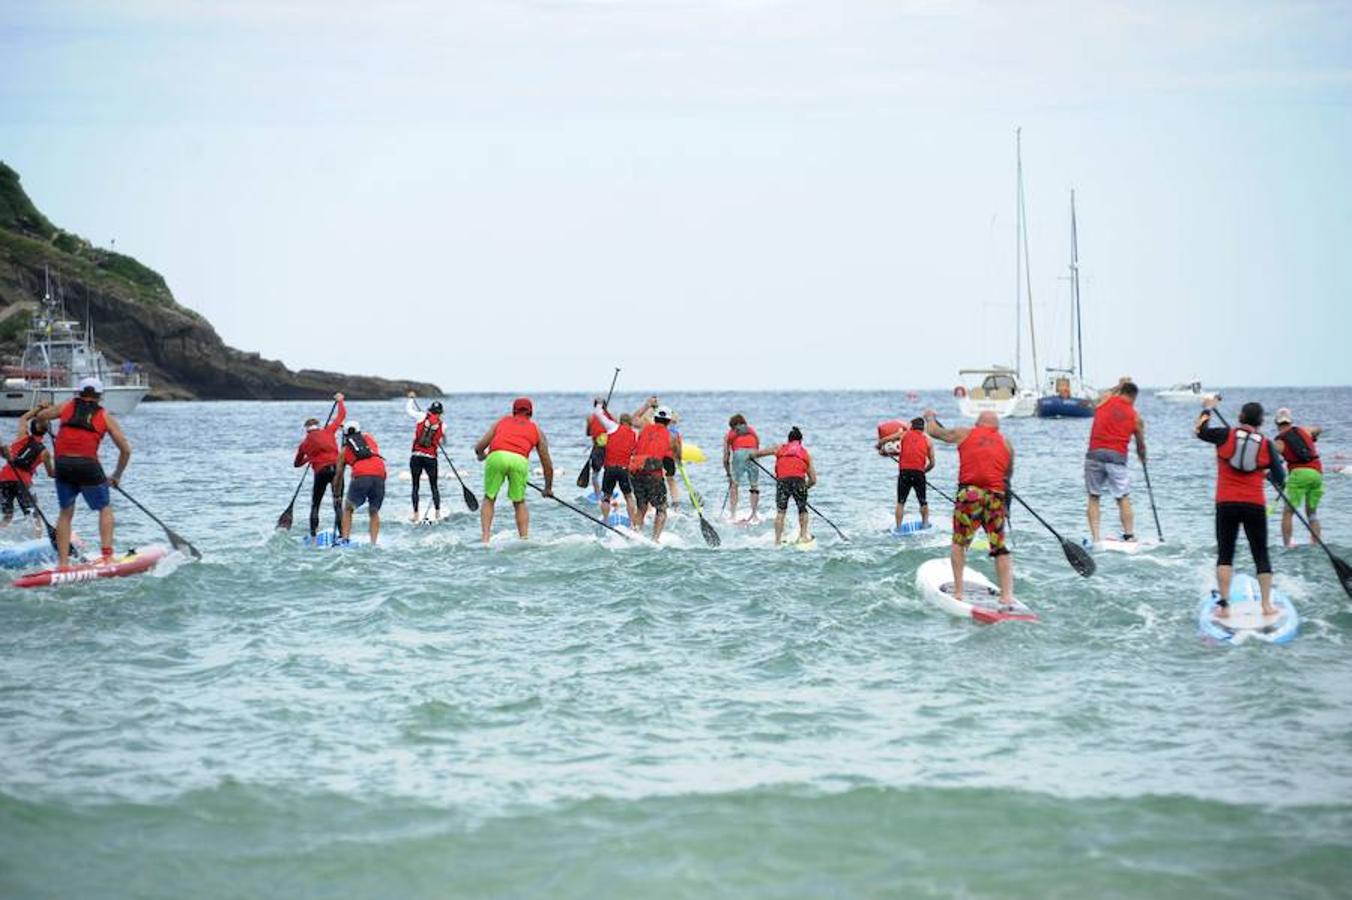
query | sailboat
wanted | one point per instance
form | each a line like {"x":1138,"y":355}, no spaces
{"x":1067,"y":396}
{"x":999,"y":389}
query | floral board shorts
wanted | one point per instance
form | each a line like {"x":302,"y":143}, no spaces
{"x":979,"y":508}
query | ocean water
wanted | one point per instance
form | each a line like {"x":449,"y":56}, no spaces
{"x":576,"y":717}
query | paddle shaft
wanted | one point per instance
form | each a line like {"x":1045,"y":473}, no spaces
{"x":580,"y":512}
{"x":583,"y":476}
{"x":1044,"y":522}
{"x":174,"y":537}
{"x":710,"y":535}
{"x":1150,"y":492}
{"x":809,"y":504}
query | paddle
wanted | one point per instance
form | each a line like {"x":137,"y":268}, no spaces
{"x":931,"y":486}
{"x":1150,"y":492}
{"x":582,"y":512}
{"x":179,"y":542}
{"x":1340,"y":566}
{"x":585,"y":474}
{"x":470,"y":500}
{"x":710,"y":536}
{"x":809,"y":506}
{"x":284,"y":520}
{"x":1076,"y":555}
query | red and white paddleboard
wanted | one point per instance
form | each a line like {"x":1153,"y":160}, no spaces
{"x":133,"y":563}
{"x":980,"y":598}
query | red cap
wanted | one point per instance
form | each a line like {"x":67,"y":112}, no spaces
{"x":522,"y":405}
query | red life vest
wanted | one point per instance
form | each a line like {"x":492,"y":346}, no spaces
{"x":83,"y":425}
{"x":891,"y":427}
{"x":1293,"y":460}
{"x":1114,"y":424}
{"x":983,"y":459}
{"x":791,"y":460}
{"x":515,"y":434}
{"x":747,"y":440}
{"x":620,"y":446}
{"x":594,"y":427}
{"x":24,"y":456}
{"x":653,"y":446}
{"x":1234,"y":485}
{"x":428,"y":435}
{"x":914,"y":451}
{"x":362,"y":454}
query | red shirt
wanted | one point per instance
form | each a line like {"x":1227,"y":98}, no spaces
{"x":791,"y":460}
{"x":515,"y":434}
{"x":620,"y":446}
{"x":748,"y":441}
{"x":81,"y":442}
{"x":1291,"y":461}
{"x":1234,"y":486}
{"x":983,"y":459}
{"x":654,"y":442}
{"x":372,"y":465}
{"x":320,"y":447}
{"x":914,"y":451}
{"x":1114,"y":424}
{"x":594,"y":427}
{"x":438,"y":428}
{"x":12,"y":472}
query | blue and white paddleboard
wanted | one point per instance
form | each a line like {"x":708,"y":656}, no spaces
{"x":595,"y":497}
{"x":615,"y":520}
{"x":28,"y":553}
{"x":911,"y":527}
{"x":1246,"y":620}
{"x":328,"y":538}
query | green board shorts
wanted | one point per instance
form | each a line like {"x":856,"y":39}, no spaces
{"x":504,"y":465}
{"x":1305,"y":487}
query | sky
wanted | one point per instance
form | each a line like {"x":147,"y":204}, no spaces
{"x":711,"y":194}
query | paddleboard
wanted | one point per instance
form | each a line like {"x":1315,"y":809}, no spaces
{"x":1116,"y":545}
{"x":328,"y":538}
{"x":807,"y":545}
{"x":615,"y":520}
{"x":28,"y":553}
{"x":595,"y":497}
{"x":912,"y":527}
{"x":980,"y":597}
{"x":748,"y":522}
{"x":1246,"y":620}
{"x":133,"y":563}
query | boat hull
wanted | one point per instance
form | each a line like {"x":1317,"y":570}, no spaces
{"x":119,"y":400}
{"x":1064,"y":408}
{"x":1023,"y":405}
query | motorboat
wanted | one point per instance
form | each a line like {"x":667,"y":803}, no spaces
{"x":1187,"y":392}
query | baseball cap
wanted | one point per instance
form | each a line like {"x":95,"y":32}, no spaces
{"x":663,"y":414}
{"x":1283,"y":416}
{"x":523,"y":405}
{"x":91,"y":386}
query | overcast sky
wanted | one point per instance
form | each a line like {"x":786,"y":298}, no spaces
{"x":756,"y":194}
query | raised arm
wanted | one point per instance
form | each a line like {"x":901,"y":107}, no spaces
{"x":332,"y":427}
{"x":411,"y":408}
{"x":24,"y":420}
{"x":954,"y":435}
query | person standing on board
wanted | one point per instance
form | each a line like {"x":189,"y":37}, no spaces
{"x":619,"y":449}
{"x":361,"y":453}
{"x":985,"y":470}
{"x":795,"y":475}
{"x":739,"y":449}
{"x":83,"y":423}
{"x":647,"y":469}
{"x":505,"y":452}
{"x":1116,"y":422}
{"x":427,"y":437}
{"x":21,"y":463}
{"x":596,"y":433}
{"x":669,"y":464}
{"x":1306,"y":481}
{"x":319,"y":448}
{"x":915,"y":457}
{"x":1244,"y":458}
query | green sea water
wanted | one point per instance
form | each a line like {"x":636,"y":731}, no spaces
{"x":577,"y":717}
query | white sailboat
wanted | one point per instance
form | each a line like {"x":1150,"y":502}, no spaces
{"x":999,"y":389}
{"x":1066,"y":395}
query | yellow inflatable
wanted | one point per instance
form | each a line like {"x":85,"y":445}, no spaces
{"x":691,"y":453}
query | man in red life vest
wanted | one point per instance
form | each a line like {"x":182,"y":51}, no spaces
{"x":985,"y":468}
{"x":654,"y":447}
{"x":427,"y":437}
{"x":597,"y":434}
{"x":915,"y":457}
{"x":1244,"y":458}
{"x":1116,"y":422}
{"x":795,"y":475}
{"x":361,"y":454}
{"x":22,"y":460}
{"x":1306,"y":481}
{"x":739,"y":449}
{"x":319,"y":448}
{"x":83,"y":424}
{"x":621,"y":439}
{"x":505,"y":452}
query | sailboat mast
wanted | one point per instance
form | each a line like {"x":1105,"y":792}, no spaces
{"x":1075,"y":286}
{"x":1018,"y":255}
{"x":1027,"y":274}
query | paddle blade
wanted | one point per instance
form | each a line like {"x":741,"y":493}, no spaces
{"x":1079,"y":558}
{"x":710,"y":536}
{"x":584,"y":473}
{"x":284,"y":520}
{"x":182,"y":544}
{"x":470,"y":500}
{"x":1344,"y":573}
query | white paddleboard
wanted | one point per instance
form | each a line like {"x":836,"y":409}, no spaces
{"x":1246,"y":621}
{"x":980,"y":600}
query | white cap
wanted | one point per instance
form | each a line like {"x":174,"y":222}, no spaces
{"x":351,"y":426}
{"x":662,"y":413}
{"x":90,"y":384}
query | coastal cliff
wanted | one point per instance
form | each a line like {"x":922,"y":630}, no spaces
{"x":135,"y":317}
